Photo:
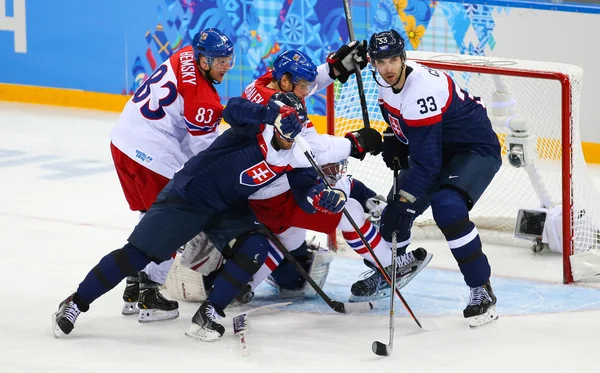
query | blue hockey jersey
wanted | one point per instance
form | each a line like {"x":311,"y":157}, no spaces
{"x":437,"y":119}
{"x":241,"y":161}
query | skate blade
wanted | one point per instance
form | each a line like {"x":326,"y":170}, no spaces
{"x":484,"y":319}
{"x":152,"y":315}
{"x":130,"y":308}
{"x":385,"y":292}
{"x":58,"y":333}
{"x":199,"y":333}
{"x":404,"y":280}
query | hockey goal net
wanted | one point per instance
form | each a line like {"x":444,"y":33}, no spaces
{"x":530,"y":103}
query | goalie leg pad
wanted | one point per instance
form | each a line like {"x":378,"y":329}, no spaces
{"x":315,"y":260}
{"x":186,"y":284}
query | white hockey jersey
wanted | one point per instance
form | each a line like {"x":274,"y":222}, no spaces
{"x":172,"y":116}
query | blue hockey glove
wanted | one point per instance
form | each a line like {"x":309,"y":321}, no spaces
{"x":285,"y":118}
{"x":397,"y":216}
{"x":394,"y":148}
{"x":327,"y":200}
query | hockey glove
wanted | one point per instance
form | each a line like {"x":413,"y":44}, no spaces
{"x":398,"y":216}
{"x":365,"y":140}
{"x":327,"y":200}
{"x":341,"y":62}
{"x":284,"y":118}
{"x":394,"y":148}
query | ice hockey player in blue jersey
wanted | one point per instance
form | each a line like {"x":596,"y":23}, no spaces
{"x":210,"y":194}
{"x":454,"y":155}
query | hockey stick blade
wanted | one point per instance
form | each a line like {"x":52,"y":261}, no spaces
{"x":381,"y":349}
{"x":359,"y":307}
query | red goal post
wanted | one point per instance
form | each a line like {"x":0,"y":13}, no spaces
{"x":543,"y":95}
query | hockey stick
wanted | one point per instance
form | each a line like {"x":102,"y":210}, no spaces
{"x":359,"y":82}
{"x":241,"y":326}
{"x":340,"y":307}
{"x":308,"y":153}
{"x":378,"y":347}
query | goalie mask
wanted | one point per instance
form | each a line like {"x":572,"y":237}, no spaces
{"x":335,"y":171}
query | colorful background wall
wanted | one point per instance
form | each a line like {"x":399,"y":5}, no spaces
{"x":110,"y":46}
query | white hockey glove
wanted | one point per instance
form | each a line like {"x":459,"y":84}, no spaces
{"x":375,"y":206}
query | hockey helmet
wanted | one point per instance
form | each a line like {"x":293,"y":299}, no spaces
{"x":386,"y":44}
{"x":212,"y":43}
{"x":335,"y":171}
{"x":296,"y":63}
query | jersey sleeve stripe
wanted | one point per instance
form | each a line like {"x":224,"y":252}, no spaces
{"x":195,"y":130}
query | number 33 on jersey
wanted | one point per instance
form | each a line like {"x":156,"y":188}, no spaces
{"x":428,"y":97}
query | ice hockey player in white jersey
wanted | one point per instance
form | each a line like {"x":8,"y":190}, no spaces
{"x":172,"y":116}
{"x":276,"y":207}
{"x":454,"y":155}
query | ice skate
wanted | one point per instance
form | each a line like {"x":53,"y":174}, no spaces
{"x":130,"y":296}
{"x":481,"y":309}
{"x":153,"y":306}
{"x":374,"y":286}
{"x":63,"y":321}
{"x":204,"y":326}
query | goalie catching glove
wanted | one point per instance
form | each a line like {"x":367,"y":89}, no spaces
{"x":283,"y":112}
{"x":365,"y":140}
{"x":326,"y":200}
{"x":342,"y":62}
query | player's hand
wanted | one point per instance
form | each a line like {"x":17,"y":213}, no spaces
{"x":394,"y":150}
{"x":327,"y":200}
{"x":365,"y":140}
{"x":341,"y":62}
{"x":284,"y":118}
{"x":397,"y":216}
{"x":330,"y":201}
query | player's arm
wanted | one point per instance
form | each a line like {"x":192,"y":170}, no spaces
{"x":425,"y":161}
{"x":247,"y":117}
{"x":244,"y":115}
{"x":392,"y":146}
{"x":311,"y":196}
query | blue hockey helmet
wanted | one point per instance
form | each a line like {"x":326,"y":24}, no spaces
{"x":386,"y":44}
{"x":296,"y":63}
{"x":212,"y":43}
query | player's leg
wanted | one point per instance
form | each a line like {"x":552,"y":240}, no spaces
{"x":166,"y":226}
{"x":373,"y":285}
{"x":141,"y":186}
{"x":463,"y":181}
{"x":247,"y":255}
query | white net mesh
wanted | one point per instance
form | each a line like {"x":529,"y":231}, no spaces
{"x":536,"y":100}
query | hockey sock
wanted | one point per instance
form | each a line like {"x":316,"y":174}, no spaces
{"x":274,"y":257}
{"x":451,"y":215}
{"x":158,"y":272}
{"x":286,"y":275}
{"x":379,"y":246}
{"x":111,"y":270}
{"x":250,"y":254}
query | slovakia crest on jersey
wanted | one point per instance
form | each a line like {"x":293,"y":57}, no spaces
{"x":256,"y":175}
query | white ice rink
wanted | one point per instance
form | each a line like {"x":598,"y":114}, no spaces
{"x":62,"y":209}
